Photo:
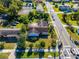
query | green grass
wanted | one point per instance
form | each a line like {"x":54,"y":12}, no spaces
{"x":74,"y":35}
{"x":56,"y":9}
{"x":19,"y":25}
{"x":24,"y":3}
{"x":4,"y":55}
{"x":60,"y":17}
{"x":47,"y":42}
{"x":46,"y":54}
{"x":9,"y":45}
{"x":72,"y":22}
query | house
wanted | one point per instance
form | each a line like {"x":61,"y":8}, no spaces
{"x":6,"y":32}
{"x":39,"y":29}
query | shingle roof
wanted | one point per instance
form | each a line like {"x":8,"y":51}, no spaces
{"x":39,"y":27}
{"x":9,"y":31}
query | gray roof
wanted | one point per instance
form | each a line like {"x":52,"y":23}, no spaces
{"x":39,"y":27}
{"x":9,"y":31}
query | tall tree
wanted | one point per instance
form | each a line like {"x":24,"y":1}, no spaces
{"x":21,"y":41}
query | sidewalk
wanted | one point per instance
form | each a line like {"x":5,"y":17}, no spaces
{"x":12,"y":55}
{"x":11,"y":50}
{"x":72,"y":26}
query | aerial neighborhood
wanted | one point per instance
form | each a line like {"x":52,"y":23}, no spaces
{"x":39,"y":29}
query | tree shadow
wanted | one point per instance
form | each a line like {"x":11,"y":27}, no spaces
{"x":29,"y":52}
{"x":1,"y":48}
{"x":41,"y":53}
{"x":19,"y":52}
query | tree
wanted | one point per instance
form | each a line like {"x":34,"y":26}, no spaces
{"x":13,"y":10}
{"x":21,"y":44}
{"x":75,"y":15}
{"x":6,"y":3}
{"x":71,"y":28}
{"x":31,"y":45}
{"x":53,"y":43}
{"x":46,"y":15}
{"x":31,"y":15}
{"x":64,"y":17}
{"x":23,"y":19}
{"x":2,"y":45}
{"x":23,"y":29}
{"x":56,"y":6}
{"x":42,"y":44}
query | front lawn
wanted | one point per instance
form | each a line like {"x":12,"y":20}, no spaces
{"x":47,"y":42}
{"x":9,"y":45}
{"x":4,"y":55}
{"x":19,"y":25}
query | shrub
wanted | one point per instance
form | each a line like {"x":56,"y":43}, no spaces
{"x":42,"y":44}
{"x":2,"y":45}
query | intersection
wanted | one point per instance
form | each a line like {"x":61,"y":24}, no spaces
{"x":63,"y":36}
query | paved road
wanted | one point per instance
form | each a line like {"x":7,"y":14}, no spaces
{"x":61,"y":31}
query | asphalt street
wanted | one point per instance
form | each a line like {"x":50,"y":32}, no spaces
{"x":63,"y":35}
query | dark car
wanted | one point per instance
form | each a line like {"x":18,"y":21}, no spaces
{"x":77,"y":57}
